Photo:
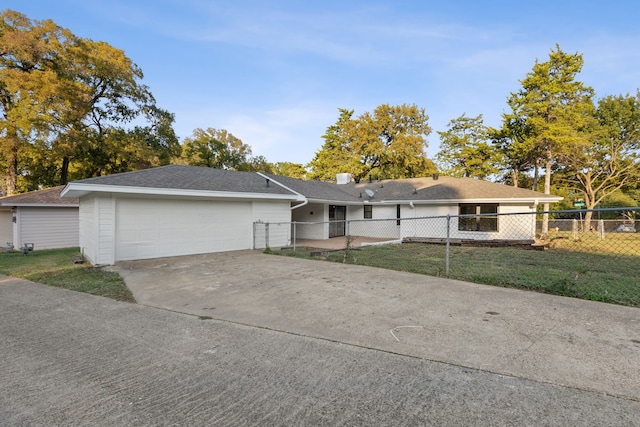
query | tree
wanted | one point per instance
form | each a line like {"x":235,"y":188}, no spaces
{"x":466,"y":150}
{"x":216,"y":148}
{"x":28,"y":85}
{"x":257,"y":164}
{"x":68,"y":100}
{"x":292,"y":170}
{"x":611,"y":161}
{"x":557,"y":111}
{"x":388,"y":143}
{"x":335,"y":154}
{"x":515,"y":151}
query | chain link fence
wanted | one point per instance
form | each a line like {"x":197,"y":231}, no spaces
{"x":590,"y":254}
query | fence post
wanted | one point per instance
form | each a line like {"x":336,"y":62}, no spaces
{"x":574,"y":229}
{"x":294,"y":237}
{"x":601,"y":229}
{"x":346,"y":231}
{"x":446,"y":262}
{"x":266,"y":235}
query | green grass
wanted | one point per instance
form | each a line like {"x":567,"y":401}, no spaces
{"x":55,"y":267}
{"x":589,"y":269}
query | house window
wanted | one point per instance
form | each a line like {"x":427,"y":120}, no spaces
{"x":478,"y":217}
{"x":368,"y":211}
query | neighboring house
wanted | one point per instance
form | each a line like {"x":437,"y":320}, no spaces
{"x":182,"y":210}
{"x":41,"y":217}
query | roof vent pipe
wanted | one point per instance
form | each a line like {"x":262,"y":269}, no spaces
{"x":435,"y":176}
{"x":268,"y":180}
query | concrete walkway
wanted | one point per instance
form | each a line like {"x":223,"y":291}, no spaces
{"x":569,"y":342}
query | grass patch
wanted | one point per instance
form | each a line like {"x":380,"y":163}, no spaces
{"x":568,"y":270}
{"x":55,"y":267}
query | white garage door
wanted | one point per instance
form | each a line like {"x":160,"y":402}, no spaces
{"x":150,"y":228}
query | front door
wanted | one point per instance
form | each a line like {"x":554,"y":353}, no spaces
{"x":337,"y":217}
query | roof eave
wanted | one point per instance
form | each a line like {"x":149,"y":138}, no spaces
{"x":80,"y":190}
{"x":550,"y":199}
{"x":41,"y":205}
{"x":335,"y":201}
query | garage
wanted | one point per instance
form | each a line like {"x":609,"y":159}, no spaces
{"x":153,"y":228}
{"x":176,"y":210}
{"x":40,"y":217}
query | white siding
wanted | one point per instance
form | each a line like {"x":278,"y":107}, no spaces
{"x":430,"y":222}
{"x":48,"y":228}
{"x":106,"y":224}
{"x":383,"y":223}
{"x":434,"y":227}
{"x":278,"y":215}
{"x":153,"y":228}
{"x":312,"y":213}
{"x":88,"y":229}
{"x":6,"y":227}
{"x":510,"y":227}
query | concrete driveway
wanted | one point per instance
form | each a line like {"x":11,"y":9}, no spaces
{"x":562,"y":341}
{"x":73,"y":359}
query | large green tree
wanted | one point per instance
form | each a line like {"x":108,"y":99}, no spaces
{"x":516,"y":152}
{"x":217,"y":148}
{"x":389,"y":143}
{"x":557,"y":111}
{"x":466,"y":149}
{"x":293,"y":170}
{"x":336,"y":152}
{"x":69,"y":102}
{"x":611,"y":160}
{"x":29,"y":86}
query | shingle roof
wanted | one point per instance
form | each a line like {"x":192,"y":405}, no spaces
{"x":49,"y":196}
{"x":442,"y":188}
{"x":316,"y":190}
{"x":180,"y":177}
{"x":190,"y":178}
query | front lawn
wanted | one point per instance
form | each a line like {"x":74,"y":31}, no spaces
{"x":55,"y":267}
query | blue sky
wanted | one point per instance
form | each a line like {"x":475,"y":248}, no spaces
{"x":274,"y":73}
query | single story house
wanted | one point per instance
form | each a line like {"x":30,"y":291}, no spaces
{"x":435,"y":196}
{"x":182,"y":210}
{"x":42,"y":218}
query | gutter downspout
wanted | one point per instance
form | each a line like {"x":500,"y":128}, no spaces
{"x":305,"y":200}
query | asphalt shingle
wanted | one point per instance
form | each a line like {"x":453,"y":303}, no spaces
{"x":413,"y":189}
{"x":190,"y":178}
{"x":49,"y":196}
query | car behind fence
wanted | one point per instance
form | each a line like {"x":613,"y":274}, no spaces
{"x":593,"y":254}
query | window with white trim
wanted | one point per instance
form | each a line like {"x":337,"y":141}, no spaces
{"x":368,"y":211}
{"x":478,"y":217}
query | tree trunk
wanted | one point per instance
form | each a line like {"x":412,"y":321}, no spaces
{"x":587,"y":220}
{"x":64,"y":172}
{"x":11,"y":172}
{"x":514,"y":175}
{"x":544,"y":234}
